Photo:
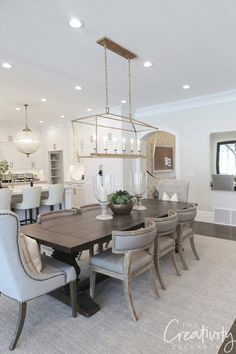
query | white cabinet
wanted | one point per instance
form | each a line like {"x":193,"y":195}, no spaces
{"x":56,"y":170}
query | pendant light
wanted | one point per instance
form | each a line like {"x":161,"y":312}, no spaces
{"x":111,"y":135}
{"x":25,"y":141}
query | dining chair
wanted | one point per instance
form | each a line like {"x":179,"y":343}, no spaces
{"x":172,"y":186}
{"x":5,"y":199}
{"x":55,"y":196}
{"x":165,"y":242}
{"x":30,"y":201}
{"x":186,"y":219}
{"x":57,"y":214}
{"x":18,"y":282}
{"x":130,"y":256}
{"x":89,"y":207}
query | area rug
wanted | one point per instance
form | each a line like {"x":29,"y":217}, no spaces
{"x":193,"y":315}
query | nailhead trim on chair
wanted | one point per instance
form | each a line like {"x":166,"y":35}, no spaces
{"x":18,"y":251}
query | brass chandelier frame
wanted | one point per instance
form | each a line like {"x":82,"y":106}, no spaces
{"x":133,"y":126}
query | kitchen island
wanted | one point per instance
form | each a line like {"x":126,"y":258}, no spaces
{"x":17,"y":190}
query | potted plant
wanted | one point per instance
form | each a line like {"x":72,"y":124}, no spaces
{"x":4,"y":167}
{"x":121,"y":202}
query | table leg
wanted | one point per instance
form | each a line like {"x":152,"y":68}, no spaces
{"x":86,"y":306}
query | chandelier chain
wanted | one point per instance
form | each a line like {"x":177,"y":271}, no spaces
{"x":129,"y":81}
{"x":106,"y":79}
{"x":26,"y":116}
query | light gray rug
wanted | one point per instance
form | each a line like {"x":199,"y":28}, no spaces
{"x":204,"y":295}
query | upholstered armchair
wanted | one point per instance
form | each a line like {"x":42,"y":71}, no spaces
{"x":165,"y":242}
{"x":21,"y":284}
{"x":186,"y":219}
{"x":131,"y":255}
{"x":172,"y":186}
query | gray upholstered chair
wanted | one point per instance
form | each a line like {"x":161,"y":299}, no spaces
{"x":186,"y":219}
{"x":172,"y":186}
{"x":57,"y":214}
{"x":88,"y":207}
{"x":18,"y":282}
{"x":165,"y":242}
{"x":131,"y":255}
{"x":5,"y":199}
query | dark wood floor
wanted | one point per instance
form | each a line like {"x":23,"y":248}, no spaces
{"x":215,"y":230}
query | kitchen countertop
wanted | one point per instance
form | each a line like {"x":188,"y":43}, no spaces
{"x":17,"y":190}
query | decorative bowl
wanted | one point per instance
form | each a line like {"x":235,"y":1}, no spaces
{"x":121,"y":209}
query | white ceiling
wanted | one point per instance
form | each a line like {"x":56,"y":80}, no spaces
{"x":188,"y":41}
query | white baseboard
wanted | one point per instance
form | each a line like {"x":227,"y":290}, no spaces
{"x":205,"y":216}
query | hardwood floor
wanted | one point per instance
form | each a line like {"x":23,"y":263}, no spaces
{"x":215,"y":230}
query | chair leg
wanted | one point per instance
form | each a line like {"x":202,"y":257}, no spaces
{"x":26,"y":216}
{"x":100,"y":247}
{"x":173,"y":259}
{"x":91,"y":252}
{"x":181,"y":256}
{"x":107,"y":244}
{"x":129,"y":299}
{"x":20,"y":324}
{"x":92,"y":283}
{"x":157,"y":266}
{"x":152,"y":277}
{"x":31,"y":216}
{"x":192,"y":243}
{"x":73,"y":297}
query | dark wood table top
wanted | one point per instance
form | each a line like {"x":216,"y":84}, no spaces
{"x":71,"y":234}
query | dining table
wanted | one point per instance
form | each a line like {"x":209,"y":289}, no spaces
{"x":70,"y":235}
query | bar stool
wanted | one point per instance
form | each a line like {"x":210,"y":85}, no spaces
{"x":55,"y":196}
{"x":30,"y":200}
{"x":5,"y":199}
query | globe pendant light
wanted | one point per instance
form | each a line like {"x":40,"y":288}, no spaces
{"x":25,"y":141}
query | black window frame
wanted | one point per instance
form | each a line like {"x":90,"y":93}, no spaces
{"x":218,"y":152}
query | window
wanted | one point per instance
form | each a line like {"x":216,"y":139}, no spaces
{"x":226,"y":158}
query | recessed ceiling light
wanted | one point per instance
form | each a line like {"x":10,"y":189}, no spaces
{"x":147,"y":64}
{"x":75,"y":23}
{"x":78,"y":88}
{"x":41,"y":121}
{"x":6,"y":65}
{"x":18,"y":108}
{"x":89,"y":109}
{"x":123,"y":101}
{"x":43,"y":99}
{"x":62,"y":116}
{"x":186,"y":86}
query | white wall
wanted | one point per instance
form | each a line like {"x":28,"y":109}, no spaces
{"x":193,"y":127}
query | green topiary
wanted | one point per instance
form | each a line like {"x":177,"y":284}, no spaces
{"x":121,"y":197}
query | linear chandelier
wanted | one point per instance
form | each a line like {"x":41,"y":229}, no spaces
{"x":107,"y":134}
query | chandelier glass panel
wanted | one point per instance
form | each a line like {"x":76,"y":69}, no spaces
{"x":107,"y":134}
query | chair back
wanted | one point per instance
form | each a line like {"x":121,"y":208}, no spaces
{"x":5,"y":199}
{"x":31,"y":197}
{"x":88,"y":207}
{"x":13,"y":276}
{"x":166,"y":225}
{"x":185,"y":215}
{"x":223,"y":182}
{"x":129,"y":241}
{"x":55,"y":194}
{"x":173,"y":186}
{"x":57,"y":214}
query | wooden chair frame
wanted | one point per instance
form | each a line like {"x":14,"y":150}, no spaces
{"x":127,"y":277}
